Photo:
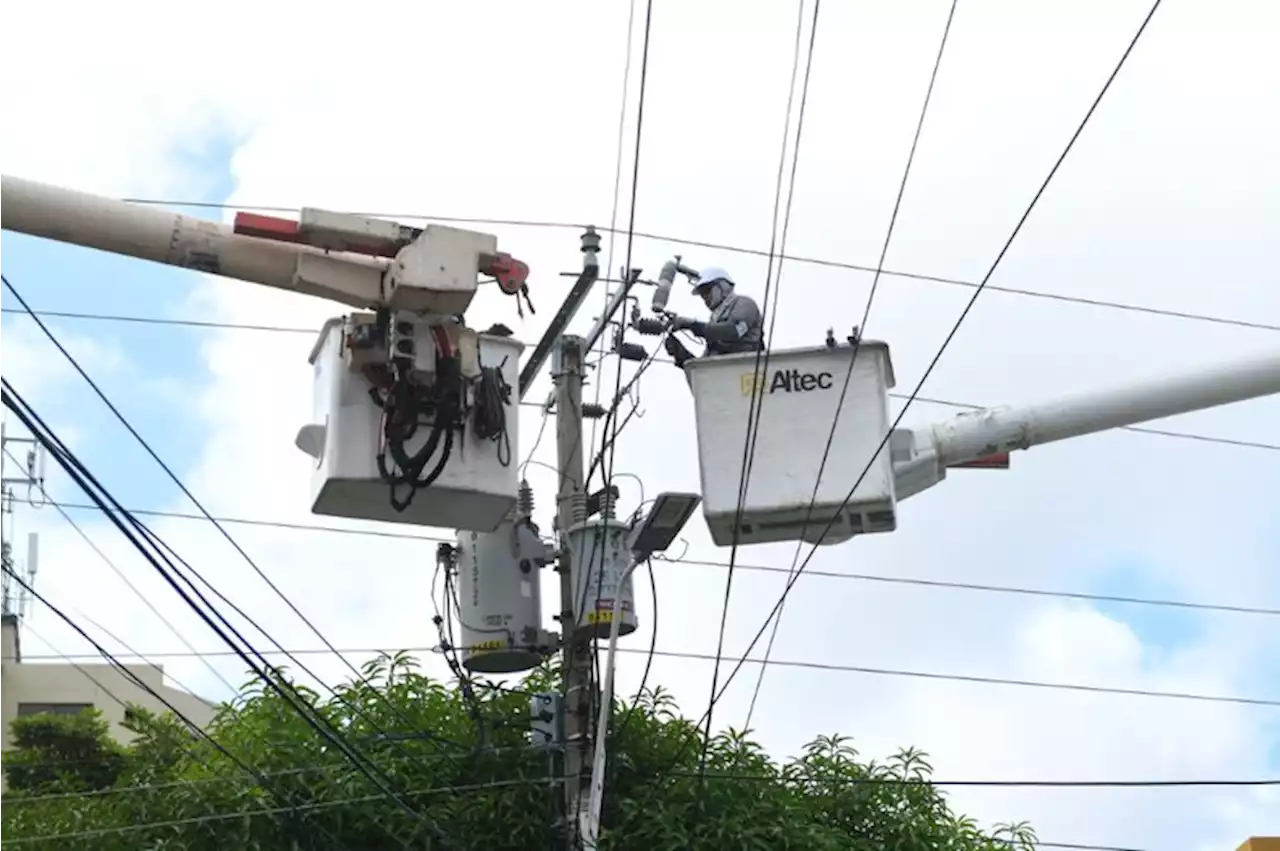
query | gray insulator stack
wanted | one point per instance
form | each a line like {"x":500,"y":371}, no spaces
{"x":524,"y":499}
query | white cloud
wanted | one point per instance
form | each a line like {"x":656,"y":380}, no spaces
{"x":508,"y":110}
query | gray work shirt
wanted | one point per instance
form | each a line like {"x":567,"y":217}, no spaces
{"x":735,"y":326}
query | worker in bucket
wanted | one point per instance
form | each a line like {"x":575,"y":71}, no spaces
{"x":735,"y":324}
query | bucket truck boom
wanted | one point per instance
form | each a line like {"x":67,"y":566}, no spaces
{"x":353,"y":260}
{"x":921,"y":456}
{"x":410,"y":398}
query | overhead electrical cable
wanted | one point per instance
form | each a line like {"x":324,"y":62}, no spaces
{"x":755,"y":405}
{"x":648,"y":660}
{"x":218,"y":526}
{"x":262,"y":781}
{"x":826,"y":574}
{"x":929,"y":369}
{"x":256,"y":812}
{"x":111,"y":565}
{"x":856,"y":344}
{"x":87,"y":482}
{"x":1182,"y":435}
{"x":834,"y":667}
{"x":256,"y":775}
{"x":617,"y":197}
{"x":954,"y":330}
{"x":368,"y":799}
{"x":814,"y":261}
{"x":599,"y":549}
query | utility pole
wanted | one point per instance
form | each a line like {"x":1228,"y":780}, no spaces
{"x":571,"y":508}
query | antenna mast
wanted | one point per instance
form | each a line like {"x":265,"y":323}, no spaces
{"x":32,"y":479}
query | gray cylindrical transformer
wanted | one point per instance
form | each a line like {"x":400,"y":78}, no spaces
{"x":599,"y":557}
{"x":499,"y":600}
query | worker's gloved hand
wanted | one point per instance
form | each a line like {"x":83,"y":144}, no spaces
{"x":683,"y":323}
{"x":677,"y":350}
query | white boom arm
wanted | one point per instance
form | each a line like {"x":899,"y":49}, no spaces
{"x":922,"y":455}
{"x":350,"y":259}
{"x":149,"y":233}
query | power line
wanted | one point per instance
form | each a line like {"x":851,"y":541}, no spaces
{"x":142,"y":685}
{"x":154,"y":320}
{"x":1077,"y":847}
{"x":66,"y":456}
{"x":857,"y":343}
{"x":481,"y":787}
{"x":271,"y":811}
{"x":996,"y":589}
{"x":1017,"y":229}
{"x":726,"y":776}
{"x":571,"y":687}
{"x":826,"y":574}
{"x":755,"y":405}
{"x":980,"y":680}
{"x":286,"y":690}
{"x":795,"y":258}
{"x":111,"y":565}
{"x":280,"y":329}
{"x":258,"y":776}
{"x":613,"y":214}
{"x":832,"y":667}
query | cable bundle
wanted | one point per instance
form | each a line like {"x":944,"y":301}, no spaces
{"x":489,"y":421}
{"x":408,"y":405}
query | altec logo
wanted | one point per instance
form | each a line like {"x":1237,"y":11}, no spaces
{"x":786,"y":381}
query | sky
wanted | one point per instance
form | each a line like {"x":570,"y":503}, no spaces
{"x":504,"y":111}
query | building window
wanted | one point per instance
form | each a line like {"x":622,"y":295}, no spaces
{"x":25,"y":709}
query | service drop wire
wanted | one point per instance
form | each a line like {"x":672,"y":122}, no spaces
{"x":87,"y":482}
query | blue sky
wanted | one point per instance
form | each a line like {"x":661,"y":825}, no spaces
{"x":56,"y":277}
{"x":1164,"y":629}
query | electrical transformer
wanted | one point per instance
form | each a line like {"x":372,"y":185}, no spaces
{"x":499,"y":602}
{"x":599,"y":557}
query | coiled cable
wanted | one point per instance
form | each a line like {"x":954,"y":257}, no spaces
{"x":489,"y":420}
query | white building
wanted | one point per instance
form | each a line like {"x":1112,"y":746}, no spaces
{"x":28,"y":688}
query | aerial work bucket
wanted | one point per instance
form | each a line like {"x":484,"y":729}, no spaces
{"x":801,"y":391}
{"x":476,"y":485}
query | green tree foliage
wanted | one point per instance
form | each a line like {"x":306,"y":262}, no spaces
{"x":62,"y":753}
{"x":493,"y":793}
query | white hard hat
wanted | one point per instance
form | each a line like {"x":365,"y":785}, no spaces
{"x":712,"y":274}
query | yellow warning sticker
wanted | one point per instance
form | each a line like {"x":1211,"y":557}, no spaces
{"x":494,"y":644}
{"x":749,"y":382}
{"x":605,"y":616}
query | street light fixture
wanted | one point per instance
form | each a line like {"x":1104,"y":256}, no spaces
{"x":656,"y":531}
